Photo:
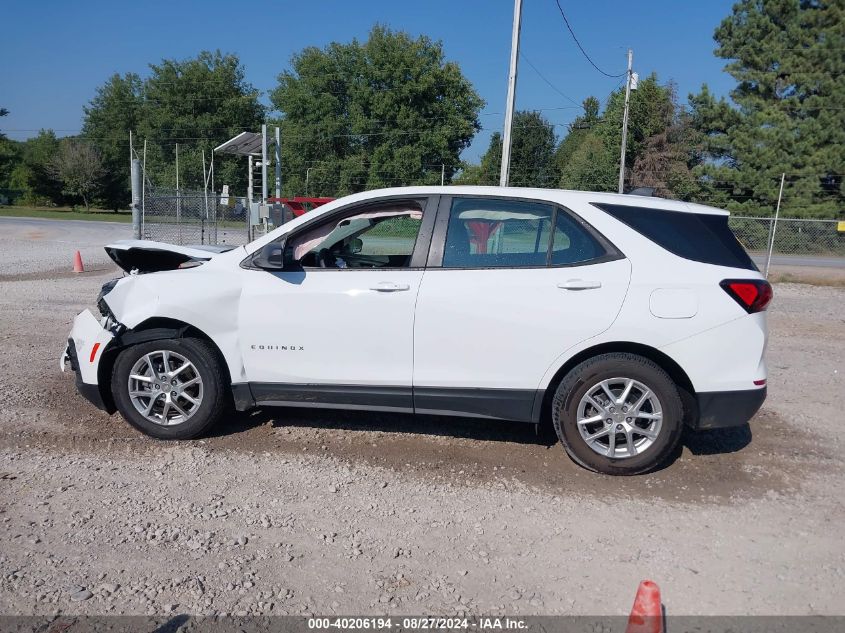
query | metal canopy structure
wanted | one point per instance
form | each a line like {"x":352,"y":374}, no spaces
{"x":255,"y":146}
{"x":244,"y":144}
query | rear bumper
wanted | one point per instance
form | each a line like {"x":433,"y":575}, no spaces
{"x":722,"y":409}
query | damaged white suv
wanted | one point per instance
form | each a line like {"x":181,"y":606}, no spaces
{"x":621,"y":318}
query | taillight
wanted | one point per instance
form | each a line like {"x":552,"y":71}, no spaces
{"x":752,"y":294}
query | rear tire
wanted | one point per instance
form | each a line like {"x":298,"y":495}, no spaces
{"x":618,"y":414}
{"x":171,"y":389}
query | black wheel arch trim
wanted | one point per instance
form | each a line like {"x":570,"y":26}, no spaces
{"x":543,"y":399}
{"x":153,"y":329}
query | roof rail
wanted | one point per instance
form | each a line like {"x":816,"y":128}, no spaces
{"x":641,"y":191}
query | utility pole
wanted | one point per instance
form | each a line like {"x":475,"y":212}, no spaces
{"x":629,"y":77}
{"x":264,"y":163}
{"x":442,"y":174}
{"x":504,"y":174}
{"x":250,"y":193}
{"x":278,"y":164}
{"x":135,"y":179}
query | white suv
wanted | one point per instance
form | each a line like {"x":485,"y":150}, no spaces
{"x":622,"y":318}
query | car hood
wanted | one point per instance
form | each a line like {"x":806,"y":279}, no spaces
{"x":144,"y":256}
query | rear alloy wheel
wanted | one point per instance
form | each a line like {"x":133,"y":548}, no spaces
{"x":619,"y":417}
{"x":619,"y":414}
{"x":170,"y":389}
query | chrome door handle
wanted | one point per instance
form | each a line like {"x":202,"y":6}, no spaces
{"x":579,"y":284}
{"x":389,"y":286}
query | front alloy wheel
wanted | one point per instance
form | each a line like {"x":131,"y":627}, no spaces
{"x":171,"y":388}
{"x":165,"y":387}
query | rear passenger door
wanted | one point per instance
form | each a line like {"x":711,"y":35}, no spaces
{"x":510,"y":285}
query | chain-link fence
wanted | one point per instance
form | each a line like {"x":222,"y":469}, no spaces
{"x":192,"y":217}
{"x":792,"y":236}
{"x":199,"y":217}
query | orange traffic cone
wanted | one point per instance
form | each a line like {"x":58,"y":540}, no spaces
{"x":647,"y":612}
{"x":77,"y":263}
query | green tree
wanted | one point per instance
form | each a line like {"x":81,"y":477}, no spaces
{"x":668,"y":157}
{"x":197,"y":103}
{"x":533,"y":144}
{"x":78,"y":167}
{"x":9,"y":156}
{"x":577,"y":131}
{"x":488,"y":170}
{"x":117,"y":108}
{"x":390,"y":110}
{"x":786,"y":56}
{"x":592,"y":166}
{"x":31,"y":173}
{"x":591,"y":161}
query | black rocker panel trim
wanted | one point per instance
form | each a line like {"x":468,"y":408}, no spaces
{"x":497,"y":404}
{"x":334,"y":396}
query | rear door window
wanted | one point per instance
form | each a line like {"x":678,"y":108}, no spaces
{"x":572,"y":243}
{"x":699,"y":237}
{"x":502,"y":233}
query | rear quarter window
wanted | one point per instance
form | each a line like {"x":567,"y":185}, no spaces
{"x":695,"y":236}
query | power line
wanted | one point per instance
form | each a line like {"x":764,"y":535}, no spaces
{"x":551,"y":85}
{"x":581,"y":48}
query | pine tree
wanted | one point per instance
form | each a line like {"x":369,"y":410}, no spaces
{"x":788,"y":58}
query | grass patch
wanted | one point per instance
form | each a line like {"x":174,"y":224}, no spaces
{"x":809,"y":278}
{"x":64,"y":214}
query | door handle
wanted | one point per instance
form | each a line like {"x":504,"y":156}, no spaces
{"x":579,"y":284}
{"x":389,"y":286}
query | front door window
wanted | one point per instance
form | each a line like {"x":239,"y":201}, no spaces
{"x":379,"y":237}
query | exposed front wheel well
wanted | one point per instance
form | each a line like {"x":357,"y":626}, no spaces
{"x":156,"y":328}
{"x":676,"y":373}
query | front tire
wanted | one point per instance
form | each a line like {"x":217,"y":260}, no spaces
{"x":171,"y":389}
{"x":618,"y":414}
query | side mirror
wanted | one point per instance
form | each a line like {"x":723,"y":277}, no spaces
{"x":270,"y":257}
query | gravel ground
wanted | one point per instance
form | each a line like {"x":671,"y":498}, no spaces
{"x":294,"y":511}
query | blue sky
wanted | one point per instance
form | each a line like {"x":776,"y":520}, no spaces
{"x":55,"y":53}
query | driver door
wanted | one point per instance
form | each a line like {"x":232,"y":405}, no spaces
{"x":339,"y":330}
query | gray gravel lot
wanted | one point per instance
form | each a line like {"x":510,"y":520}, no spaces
{"x":34,"y":245}
{"x":291,"y":511}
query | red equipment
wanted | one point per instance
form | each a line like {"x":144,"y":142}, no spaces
{"x":300,"y":205}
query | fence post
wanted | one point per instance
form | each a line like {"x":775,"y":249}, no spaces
{"x":178,"y":199}
{"x":136,"y":198}
{"x":144,"y":188}
{"x":775,"y":225}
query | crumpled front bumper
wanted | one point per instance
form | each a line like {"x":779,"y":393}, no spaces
{"x":86,"y":344}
